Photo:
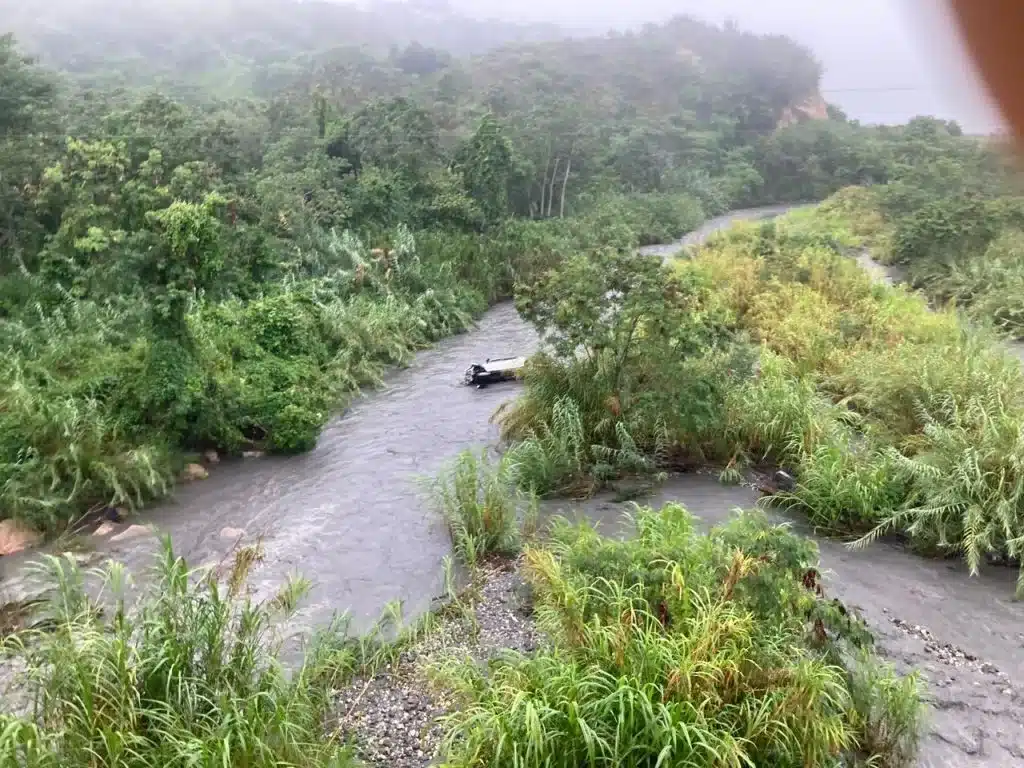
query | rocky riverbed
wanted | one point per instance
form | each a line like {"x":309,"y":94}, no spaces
{"x":393,"y":715}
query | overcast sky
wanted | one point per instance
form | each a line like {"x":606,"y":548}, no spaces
{"x":867,"y":46}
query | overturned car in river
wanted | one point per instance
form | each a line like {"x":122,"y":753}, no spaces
{"x":494,"y":371}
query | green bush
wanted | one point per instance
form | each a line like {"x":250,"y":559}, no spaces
{"x":189,"y":676}
{"x":678,"y":648}
{"x":842,"y":488}
{"x":481,"y":505}
{"x":295,"y":429}
{"x":287,"y":325}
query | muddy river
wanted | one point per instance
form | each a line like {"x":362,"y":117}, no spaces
{"x":353,"y":517}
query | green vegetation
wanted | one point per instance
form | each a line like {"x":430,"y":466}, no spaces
{"x":918,"y":412}
{"x":771,"y":345}
{"x":189,"y":676}
{"x":681,"y":648}
{"x":222,"y":260}
{"x":951,"y":219}
{"x":216,"y":227}
{"x":481,"y":506}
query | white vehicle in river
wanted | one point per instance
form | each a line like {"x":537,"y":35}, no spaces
{"x":494,"y":371}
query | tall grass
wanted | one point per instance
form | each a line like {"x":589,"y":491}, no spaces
{"x":968,"y":483}
{"x":780,"y":416}
{"x":845,"y":488}
{"x":895,"y":416}
{"x":678,"y":648}
{"x":482,"y":505}
{"x":189,"y":676}
{"x":571,"y":433}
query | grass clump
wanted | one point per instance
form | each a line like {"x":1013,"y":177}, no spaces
{"x":482,"y":506}
{"x":894,"y":417}
{"x":189,"y":676}
{"x":676,"y":648}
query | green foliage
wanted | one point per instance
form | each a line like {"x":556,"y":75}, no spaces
{"x":893,"y":416}
{"x":635,"y":379}
{"x":481,"y":506}
{"x":809,"y":161}
{"x":841,"y":489}
{"x":668,"y":646}
{"x":187,"y":259}
{"x":192,"y":673}
{"x":287,"y":326}
{"x":553,"y":458}
{"x":486,"y":165}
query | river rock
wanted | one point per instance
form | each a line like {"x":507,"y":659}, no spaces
{"x":15,"y":537}
{"x":232,"y":534}
{"x":132,"y":532}
{"x":784,"y":480}
{"x":105,"y":530}
{"x":211,"y":457}
{"x":195,"y":472}
{"x":252,"y":454}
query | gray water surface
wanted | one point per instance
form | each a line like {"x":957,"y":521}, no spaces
{"x":716,"y":225}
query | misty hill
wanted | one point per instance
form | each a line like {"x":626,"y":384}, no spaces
{"x":184,"y":39}
{"x":645,"y":111}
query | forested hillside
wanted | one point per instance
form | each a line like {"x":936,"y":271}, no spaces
{"x":211,"y":42}
{"x":184,"y":267}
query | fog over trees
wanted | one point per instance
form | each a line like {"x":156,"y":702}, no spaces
{"x":885,"y":60}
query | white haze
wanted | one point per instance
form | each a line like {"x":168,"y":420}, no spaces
{"x":885,"y":60}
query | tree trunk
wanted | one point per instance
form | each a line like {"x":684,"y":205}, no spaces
{"x":544,"y":187}
{"x":565,"y":180}
{"x":551,"y":187}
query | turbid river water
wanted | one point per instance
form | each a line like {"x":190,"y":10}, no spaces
{"x":351,"y":515}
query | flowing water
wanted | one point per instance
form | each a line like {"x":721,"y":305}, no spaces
{"x":352,"y":516}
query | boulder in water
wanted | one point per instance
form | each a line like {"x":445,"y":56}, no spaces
{"x":132,"y":532}
{"x":105,"y":530}
{"x":16,"y":536}
{"x":784,"y":481}
{"x":195,"y":472}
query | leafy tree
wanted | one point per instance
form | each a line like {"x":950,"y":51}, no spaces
{"x":185,"y":259}
{"x":27,"y":97}
{"x":608,"y":303}
{"x":487,"y":166}
{"x":395,"y":135}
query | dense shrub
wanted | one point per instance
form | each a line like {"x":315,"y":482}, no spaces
{"x":674,"y":647}
{"x":190,"y":675}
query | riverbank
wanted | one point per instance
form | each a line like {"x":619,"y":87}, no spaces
{"x":357,"y":497}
